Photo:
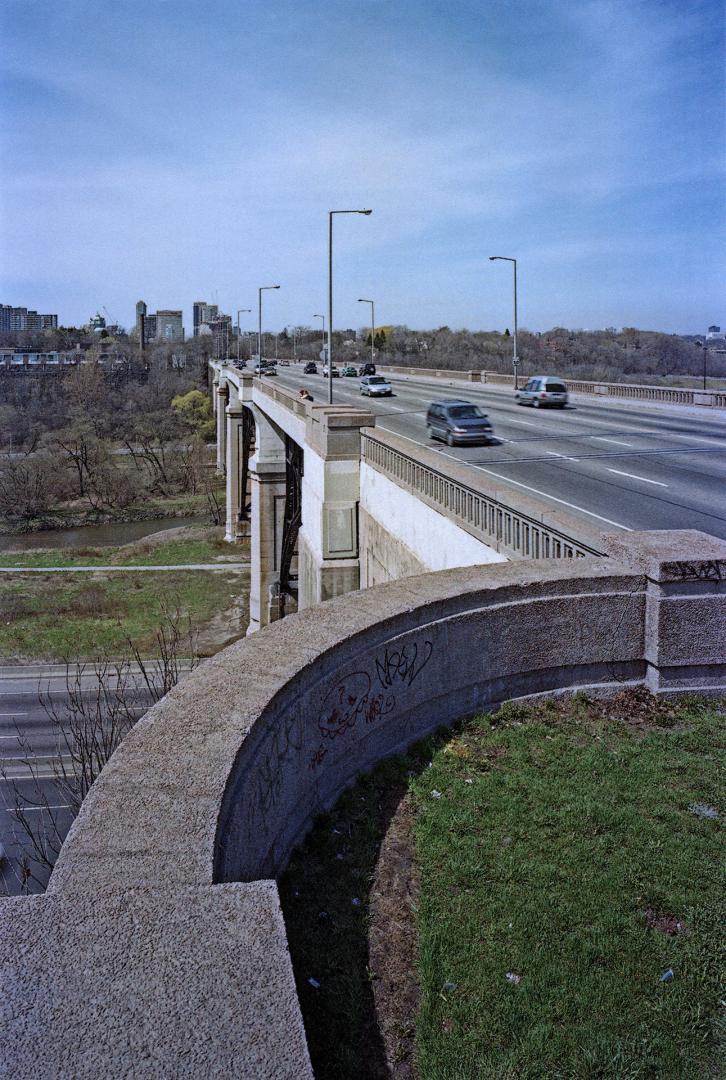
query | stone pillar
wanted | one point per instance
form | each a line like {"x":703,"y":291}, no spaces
{"x":233,"y":472}
{"x":267,"y":481}
{"x":685,"y":585}
{"x":221,"y":427}
{"x":328,"y":543}
{"x":215,"y":384}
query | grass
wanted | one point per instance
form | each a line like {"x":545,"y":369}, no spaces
{"x":140,"y":553}
{"x":561,"y":850}
{"x":58,"y":616}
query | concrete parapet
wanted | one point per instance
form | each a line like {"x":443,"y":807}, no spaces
{"x":143,"y":930}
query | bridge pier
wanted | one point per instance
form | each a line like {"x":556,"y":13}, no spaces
{"x":234,"y":494}
{"x":267,"y":480}
{"x":221,"y":397}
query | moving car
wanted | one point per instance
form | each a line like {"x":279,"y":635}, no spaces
{"x":336,"y":373}
{"x":542,"y":390}
{"x":367,"y":369}
{"x":350,"y":371}
{"x":311,"y":368}
{"x":458,"y":422}
{"x":375,"y":386}
{"x":265,"y":369}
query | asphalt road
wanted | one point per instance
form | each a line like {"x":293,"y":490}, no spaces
{"x":27,"y":734}
{"x":622,"y":465}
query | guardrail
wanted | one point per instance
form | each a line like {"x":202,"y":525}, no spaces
{"x":514,"y":532}
{"x":674,"y":395}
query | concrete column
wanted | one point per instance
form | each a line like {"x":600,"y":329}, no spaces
{"x":215,"y":384}
{"x":328,"y":543}
{"x":267,"y":481}
{"x":685,"y":631}
{"x":221,"y":427}
{"x":233,"y":472}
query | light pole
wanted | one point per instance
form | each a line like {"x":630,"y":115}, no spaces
{"x":373,"y":324}
{"x":262,"y":288}
{"x":239,"y":312}
{"x":330,"y":293}
{"x":294,"y":350}
{"x":323,"y":318}
{"x":515,"y":358}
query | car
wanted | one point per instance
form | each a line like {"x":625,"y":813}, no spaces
{"x":456,"y":422}
{"x":266,"y":369}
{"x":375,"y":386}
{"x":350,"y":371}
{"x":336,"y":373}
{"x":543,"y":390}
{"x":240,"y":364}
{"x":284,"y":363}
{"x":367,"y":369}
{"x":311,"y":368}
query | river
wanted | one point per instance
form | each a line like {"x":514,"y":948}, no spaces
{"x":95,"y":535}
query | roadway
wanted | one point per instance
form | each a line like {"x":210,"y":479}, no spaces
{"x":618,"y":464}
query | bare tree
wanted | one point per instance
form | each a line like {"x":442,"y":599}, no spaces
{"x":102,"y":702}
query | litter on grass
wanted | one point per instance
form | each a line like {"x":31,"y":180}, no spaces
{"x":703,"y":810}
{"x":667,"y":975}
{"x":513,"y":978}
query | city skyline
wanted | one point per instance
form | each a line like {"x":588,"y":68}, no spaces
{"x":585,"y":140}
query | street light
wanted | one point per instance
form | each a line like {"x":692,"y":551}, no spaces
{"x":373,"y":323}
{"x":294,"y":350}
{"x":330,"y":292}
{"x":239,"y":312}
{"x":515,"y":358}
{"x":323,"y":318}
{"x":262,"y":288}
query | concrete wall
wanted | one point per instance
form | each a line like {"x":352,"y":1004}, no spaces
{"x":159,"y":949}
{"x":401,"y":535}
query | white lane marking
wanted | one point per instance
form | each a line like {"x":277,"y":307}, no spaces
{"x":604,"y":438}
{"x":527,"y":423}
{"x":572,"y":506}
{"x":553,"y":453}
{"x":13,"y":714}
{"x":27,"y":809}
{"x":632,"y":476}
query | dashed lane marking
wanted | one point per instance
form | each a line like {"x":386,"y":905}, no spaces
{"x":643,"y":479}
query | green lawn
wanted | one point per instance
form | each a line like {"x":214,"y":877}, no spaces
{"x":59,"y":616}
{"x":140,"y":553}
{"x":556,"y":845}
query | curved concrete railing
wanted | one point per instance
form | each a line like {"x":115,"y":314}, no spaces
{"x":185,"y":968}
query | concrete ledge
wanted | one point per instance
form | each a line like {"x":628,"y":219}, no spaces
{"x":150,"y":984}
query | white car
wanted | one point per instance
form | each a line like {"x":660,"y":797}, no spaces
{"x":375,"y":386}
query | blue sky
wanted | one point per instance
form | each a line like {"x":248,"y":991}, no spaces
{"x":175,"y":151}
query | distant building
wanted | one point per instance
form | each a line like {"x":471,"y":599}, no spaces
{"x":204,"y":315}
{"x":714,"y":333}
{"x":19,"y":318}
{"x":163,"y":326}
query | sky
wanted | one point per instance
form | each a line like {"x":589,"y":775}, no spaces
{"x":173,"y":151}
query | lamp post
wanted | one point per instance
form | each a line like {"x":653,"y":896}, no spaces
{"x":330,"y":293}
{"x":373,"y":324}
{"x":323,"y":318}
{"x":239,"y":312}
{"x":262,"y":288}
{"x":294,"y":350}
{"x":515,"y":358}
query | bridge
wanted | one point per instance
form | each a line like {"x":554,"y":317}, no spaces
{"x":342,"y":497}
{"x":159,"y":948}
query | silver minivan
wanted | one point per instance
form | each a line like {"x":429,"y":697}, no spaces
{"x":542,"y":390}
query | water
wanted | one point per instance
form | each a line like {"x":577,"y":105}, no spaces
{"x":95,"y":535}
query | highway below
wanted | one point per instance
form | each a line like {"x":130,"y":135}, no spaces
{"x":29,"y":755}
{"x":618,"y":464}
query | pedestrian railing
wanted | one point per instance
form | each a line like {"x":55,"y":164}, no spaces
{"x":513,"y":532}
